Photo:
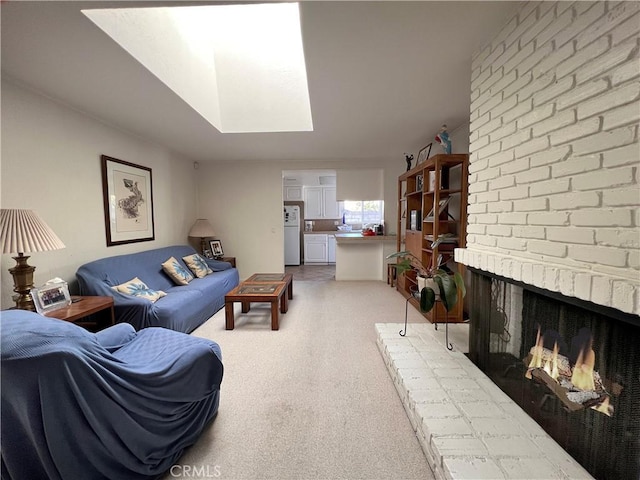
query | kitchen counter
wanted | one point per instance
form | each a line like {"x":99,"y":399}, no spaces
{"x":322,"y":232}
{"x":351,"y":237}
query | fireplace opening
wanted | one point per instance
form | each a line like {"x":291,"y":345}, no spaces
{"x":574,"y":367}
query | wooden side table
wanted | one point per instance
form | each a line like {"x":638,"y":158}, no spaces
{"x":231,"y":260}
{"x":83,"y":306}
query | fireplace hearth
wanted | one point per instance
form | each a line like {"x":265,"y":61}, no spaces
{"x":573,"y":366}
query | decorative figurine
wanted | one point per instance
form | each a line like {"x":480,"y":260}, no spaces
{"x":408,"y":158}
{"x":443,"y":139}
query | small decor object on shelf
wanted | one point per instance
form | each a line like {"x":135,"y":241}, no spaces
{"x":51,"y":297}
{"x":443,"y":139}
{"x":424,"y":154}
{"x":216,"y":248}
{"x":408,"y":158}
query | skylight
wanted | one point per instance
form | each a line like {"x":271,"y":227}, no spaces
{"x":241,"y":67}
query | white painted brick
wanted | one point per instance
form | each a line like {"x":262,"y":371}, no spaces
{"x":552,"y":249}
{"x":478,"y":122}
{"x":481,"y":141}
{"x":601,"y":290}
{"x":571,"y":235}
{"x":480,"y":229}
{"x":515,"y":166}
{"x":602,"y":217}
{"x":622,"y":296}
{"x":511,"y":447}
{"x":522,"y":108}
{"x":582,"y":56}
{"x":537,"y":85}
{"x":514,"y":193}
{"x":575,"y":165}
{"x":625,"y":30}
{"x":489,"y":150}
{"x":534,"y":175}
{"x":479,"y":57}
{"x":496,"y":426}
{"x":573,"y":200}
{"x":615,"y":17}
{"x":548,"y":218}
{"x":505,"y":105}
{"x":506,"y":31}
{"x":479,"y":80}
{"x":503,"y":131}
{"x":624,"y":72}
{"x":489,"y":196}
{"x":514,"y":218}
{"x":454,"y":446}
{"x":581,"y":93}
{"x":556,"y":60}
{"x":580,"y":23}
{"x":615,"y":257}
{"x":478,"y":165}
{"x":552,"y":155}
{"x":502,"y":182}
{"x":613,"y":57}
{"x":627,"y":155}
{"x":578,"y":130}
{"x":624,"y":238}
{"x":487,"y":218}
{"x":471,"y":468}
{"x":477,"y":208}
{"x":582,"y":286}
{"x":604,"y":141}
{"x":496,"y":75}
{"x":621,"y":116}
{"x":621,"y":197}
{"x":549,"y":187}
{"x":531,"y":205}
{"x":530,"y":468}
{"x":498,"y":207}
{"x":537,"y":28}
{"x":537,"y":115}
{"x":559,"y":120}
{"x":496,"y":51}
{"x":532,"y":146}
{"x":633,"y":261}
{"x":523,"y":80}
{"x":499,"y":230}
{"x":478,"y":187}
{"x":613,"y":98}
{"x":553,"y":90}
{"x":526,"y":21}
{"x":566,"y":282}
{"x":501,"y":158}
{"x":528,"y":63}
{"x":522,"y":56}
{"x":529,"y":232}
{"x":552,"y":30}
{"x":551,"y":278}
{"x":489,"y":127}
{"x":605,"y":178}
{"x":512,"y":244}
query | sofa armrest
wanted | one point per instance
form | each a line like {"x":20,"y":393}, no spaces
{"x":116,"y":336}
{"x":218,"y":265}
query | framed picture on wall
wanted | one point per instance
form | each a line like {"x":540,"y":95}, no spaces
{"x":216,"y":248}
{"x":128,"y":202}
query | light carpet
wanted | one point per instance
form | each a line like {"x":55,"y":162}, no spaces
{"x":312,"y":400}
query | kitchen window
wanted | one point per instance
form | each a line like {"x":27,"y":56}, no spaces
{"x":362,"y":212}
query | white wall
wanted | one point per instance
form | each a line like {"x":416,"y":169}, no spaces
{"x":244,"y":203}
{"x":51,"y":164}
{"x":554,"y":152}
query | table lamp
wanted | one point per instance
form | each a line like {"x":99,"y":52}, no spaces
{"x":203,"y":229}
{"x":24,"y":231}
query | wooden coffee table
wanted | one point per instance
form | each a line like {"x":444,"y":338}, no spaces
{"x":274,"y":277}
{"x":247,"y":292}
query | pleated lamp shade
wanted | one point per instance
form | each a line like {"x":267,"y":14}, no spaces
{"x":24,"y":231}
{"x":202,"y":228}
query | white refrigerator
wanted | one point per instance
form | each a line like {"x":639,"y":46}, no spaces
{"x":291,"y":235}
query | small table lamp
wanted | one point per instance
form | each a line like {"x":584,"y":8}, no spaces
{"x":24,"y":231}
{"x":203,"y":229}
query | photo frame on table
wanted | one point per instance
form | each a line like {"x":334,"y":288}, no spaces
{"x":441,"y":206}
{"x":207,"y":254}
{"x":128,"y":202}
{"x":51,"y":297}
{"x":216,"y":248}
{"x":423,"y":154}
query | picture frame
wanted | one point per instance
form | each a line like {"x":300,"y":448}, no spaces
{"x":128,"y":202}
{"x":423,"y":154}
{"x":216,"y":248}
{"x":51,"y":297}
{"x":441,"y":206}
{"x":207,"y":254}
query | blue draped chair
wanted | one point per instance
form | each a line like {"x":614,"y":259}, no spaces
{"x":117,"y":404}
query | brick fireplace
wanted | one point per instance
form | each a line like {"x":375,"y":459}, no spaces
{"x":553,"y":176}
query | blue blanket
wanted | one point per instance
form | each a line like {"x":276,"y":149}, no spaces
{"x":116,"y":404}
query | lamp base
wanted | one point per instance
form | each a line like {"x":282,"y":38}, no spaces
{"x":23,"y":282}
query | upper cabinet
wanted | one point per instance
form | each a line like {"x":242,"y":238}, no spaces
{"x":320,"y":203}
{"x":292,"y":193}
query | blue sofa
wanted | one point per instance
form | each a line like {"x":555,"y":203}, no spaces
{"x":183,"y":309}
{"x":115,"y":404}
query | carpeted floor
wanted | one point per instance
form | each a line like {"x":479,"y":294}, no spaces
{"x":312,"y":400}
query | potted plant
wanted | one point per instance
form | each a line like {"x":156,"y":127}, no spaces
{"x":435,"y":278}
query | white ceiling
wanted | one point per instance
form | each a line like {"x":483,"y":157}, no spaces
{"x":383,"y":76}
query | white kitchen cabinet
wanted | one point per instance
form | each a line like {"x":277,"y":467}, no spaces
{"x":331,"y":249}
{"x":292,"y":193}
{"x":320,"y":202}
{"x":316,"y":248}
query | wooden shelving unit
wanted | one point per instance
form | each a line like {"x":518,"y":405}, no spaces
{"x":436,"y":190}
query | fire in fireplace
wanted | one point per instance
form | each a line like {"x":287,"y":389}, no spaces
{"x":573,"y":366}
